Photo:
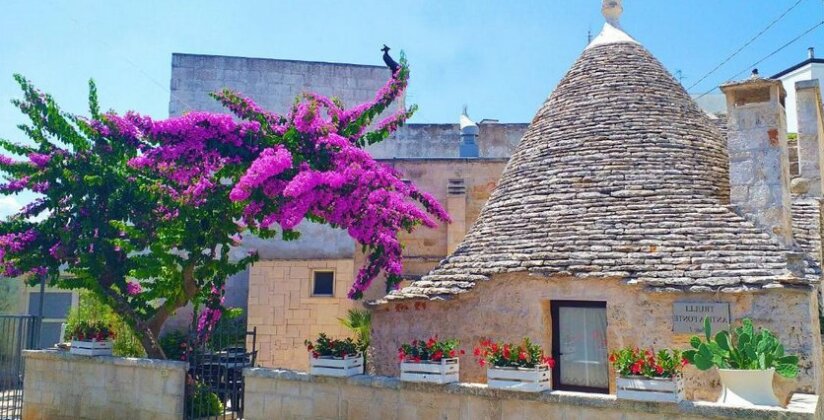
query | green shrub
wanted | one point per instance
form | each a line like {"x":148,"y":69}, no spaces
{"x":90,"y":310}
{"x":174,"y":344}
{"x":741,"y":348}
{"x":204,"y":403}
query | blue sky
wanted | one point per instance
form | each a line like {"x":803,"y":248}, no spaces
{"x":500,"y":58}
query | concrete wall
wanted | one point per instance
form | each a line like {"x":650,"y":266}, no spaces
{"x":59,"y":385}
{"x":512,"y":306}
{"x":285,"y":313}
{"x":272,"y":394}
{"x":495,"y":140}
{"x":273,"y":84}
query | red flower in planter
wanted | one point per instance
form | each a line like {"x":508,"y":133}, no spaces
{"x":431,"y":349}
{"x":664,"y":363}
{"x":525,"y":354}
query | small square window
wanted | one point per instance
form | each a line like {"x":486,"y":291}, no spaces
{"x":324,"y":283}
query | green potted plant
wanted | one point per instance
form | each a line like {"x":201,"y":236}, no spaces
{"x":432,"y":360}
{"x":515,"y":366}
{"x":648,"y":375}
{"x":747,"y":359}
{"x":332,"y":357}
{"x":91,"y":338}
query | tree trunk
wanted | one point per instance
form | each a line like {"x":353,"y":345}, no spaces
{"x":149,"y":331}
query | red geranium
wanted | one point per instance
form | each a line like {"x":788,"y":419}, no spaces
{"x":525,"y":354}
{"x":632,"y":361}
{"x":431,"y":350}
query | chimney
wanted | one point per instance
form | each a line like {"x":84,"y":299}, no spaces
{"x":469,"y":133}
{"x":759,"y":161}
{"x":811,"y":53}
{"x":810,"y":135}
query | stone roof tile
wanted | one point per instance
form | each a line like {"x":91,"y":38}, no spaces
{"x":619,"y":174}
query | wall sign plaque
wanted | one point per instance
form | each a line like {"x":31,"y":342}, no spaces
{"x":688,"y":317}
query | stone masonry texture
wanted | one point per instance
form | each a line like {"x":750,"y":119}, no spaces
{"x":63,"y":386}
{"x":511,"y":306}
{"x":287,"y":395}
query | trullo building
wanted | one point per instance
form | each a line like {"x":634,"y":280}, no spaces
{"x":623,"y":217}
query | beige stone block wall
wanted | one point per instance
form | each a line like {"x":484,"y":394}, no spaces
{"x":285,"y":314}
{"x":425,"y":247}
{"x":59,"y":385}
{"x":512,"y":306}
{"x":284,"y":395}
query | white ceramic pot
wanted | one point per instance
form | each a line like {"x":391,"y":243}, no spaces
{"x":748,"y":387}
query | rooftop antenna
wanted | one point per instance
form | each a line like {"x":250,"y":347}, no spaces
{"x":680,"y":76}
{"x":589,"y":35}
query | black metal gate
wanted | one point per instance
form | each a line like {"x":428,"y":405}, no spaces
{"x":214,"y":388}
{"x":17,"y":333}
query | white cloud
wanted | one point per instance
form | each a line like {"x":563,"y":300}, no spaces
{"x":9,"y":205}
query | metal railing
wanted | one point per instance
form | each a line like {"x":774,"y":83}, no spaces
{"x":17,"y":333}
{"x":215,"y":382}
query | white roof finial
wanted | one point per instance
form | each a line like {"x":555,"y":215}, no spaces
{"x":612,"y":9}
{"x":612,"y":32}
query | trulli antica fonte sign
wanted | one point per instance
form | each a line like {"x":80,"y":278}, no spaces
{"x":688,"y":317}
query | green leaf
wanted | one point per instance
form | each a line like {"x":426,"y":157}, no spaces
{"x":695,"y":342}
{"x":707,"y":328}
{"x":747,"y":326}
{"x":722,"y":338}
{"x":787,"y":370}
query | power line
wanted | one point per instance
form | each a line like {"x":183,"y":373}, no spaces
{"x":753,"y":65}
{"x":758,"y":35}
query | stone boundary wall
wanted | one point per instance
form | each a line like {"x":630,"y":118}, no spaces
{"x":283,"y":394}
{"x":59,"y":385}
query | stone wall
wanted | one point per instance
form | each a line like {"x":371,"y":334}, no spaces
{"x":59,"y":385}
{"x":285,"y":314}
{"x":425,"y":247}
{"x":512,"y":306}
{"x":273,"y":394}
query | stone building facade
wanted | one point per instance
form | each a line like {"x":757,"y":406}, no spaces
{"x":622,"y":203}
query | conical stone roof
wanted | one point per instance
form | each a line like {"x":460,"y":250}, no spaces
{"x":620,"y":174}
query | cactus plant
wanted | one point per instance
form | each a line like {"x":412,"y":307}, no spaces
{"x":741,"y":348}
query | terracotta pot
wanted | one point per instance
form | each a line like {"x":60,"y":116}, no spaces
{"x":748,"y":387}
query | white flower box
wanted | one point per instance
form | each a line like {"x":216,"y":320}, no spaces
{"x":91,"y":348}
{"x":535,"y":379}
{"x":336,"y":366}
{"x":639,"y":388}
{"x":442,"y":372}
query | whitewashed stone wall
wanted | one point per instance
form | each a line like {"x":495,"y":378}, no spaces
{"x":59,"y":385}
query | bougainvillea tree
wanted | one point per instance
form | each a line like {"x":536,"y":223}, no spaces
{"x":144,"y":212}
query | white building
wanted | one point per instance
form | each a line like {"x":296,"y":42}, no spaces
{"x":810,"y":69}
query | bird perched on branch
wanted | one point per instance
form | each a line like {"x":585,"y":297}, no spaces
{"x":391,"y":63}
